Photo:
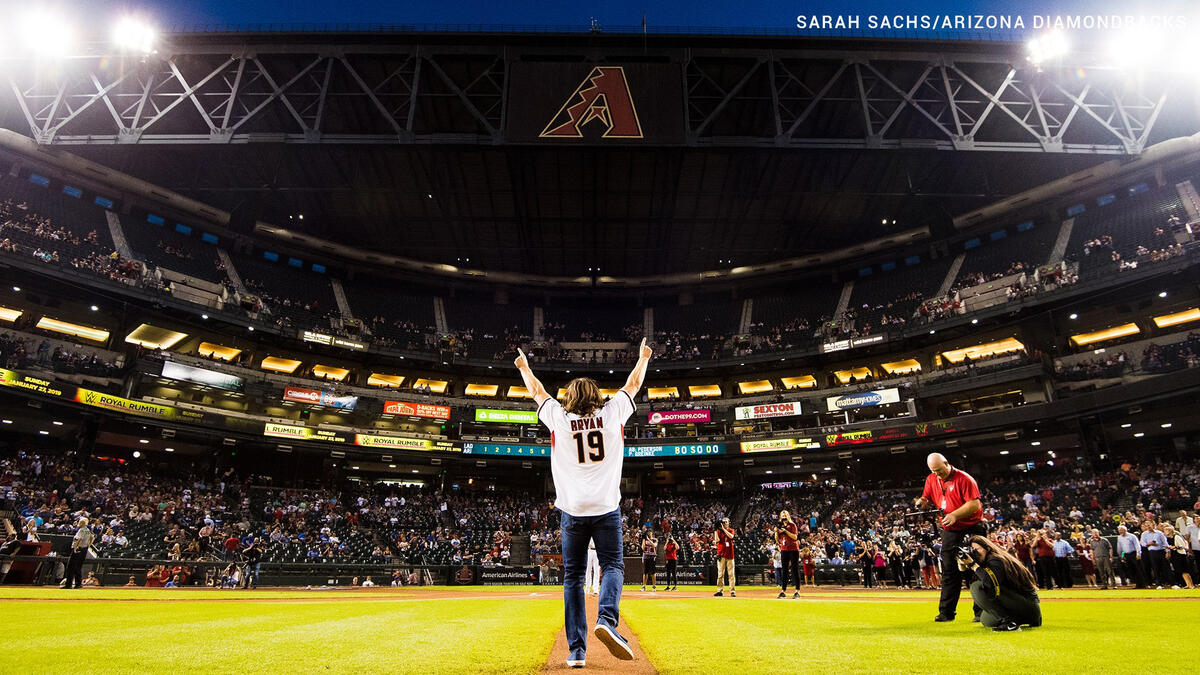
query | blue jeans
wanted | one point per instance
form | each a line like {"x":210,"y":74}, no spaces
{"x":605,"y":530}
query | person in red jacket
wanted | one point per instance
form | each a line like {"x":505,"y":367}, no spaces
{"x":956,"y":494}
{"x":723,"y":538}
{"x":671,"y":555}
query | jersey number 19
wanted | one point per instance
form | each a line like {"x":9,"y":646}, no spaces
{"x":595,"y":441}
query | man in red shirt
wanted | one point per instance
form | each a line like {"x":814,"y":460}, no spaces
{"x":725,"y":571}
{"x":231,"y":546}
{"x":956,"y":494}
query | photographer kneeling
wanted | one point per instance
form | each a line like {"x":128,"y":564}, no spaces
{"x":1003,"y":588}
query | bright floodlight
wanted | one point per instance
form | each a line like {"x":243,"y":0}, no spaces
{"x":1135,"y":48}
{"x":134,"y":35}
{"x":1047,"y":47}
{"x":46,"y":33}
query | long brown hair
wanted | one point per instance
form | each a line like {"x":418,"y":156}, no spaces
{"x":583,"y":397}
{"x":1013,"y":568}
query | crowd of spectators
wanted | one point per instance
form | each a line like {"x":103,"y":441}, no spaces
{"x":29,"y":352}
{"x":859,"y":534}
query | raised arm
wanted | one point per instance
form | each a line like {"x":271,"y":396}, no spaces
{"x":533,"y":384}
{"x":638,"y":375}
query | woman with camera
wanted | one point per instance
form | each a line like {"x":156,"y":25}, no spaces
{"x":1004,"y":589}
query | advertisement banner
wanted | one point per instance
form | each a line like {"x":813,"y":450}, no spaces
{"x":772,"y":444}
{"x":287,"y":431}
{"x":297,"y":433}
{"x":437,"y":412}
{"x":506,"y":449}
{"x":332,"y":340}
{"x":863,"y":399}
{"x":316,"y":397}
{"x":841,"y":345}
{"x":211,"y":378}
{"x":849,"y":438}
{"x":507,"y":576}
{"x":165,"y":412}
{"x":674,"y":450}
{"x":758,"y":412}
{"x":582,"y":103}
{"x":680,"y":416}
{"x":401,"y":443}
{"x":10,"y":378}
{"x":508,"y":416}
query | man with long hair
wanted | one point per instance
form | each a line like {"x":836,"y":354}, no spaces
{"x":587,"y":448}
{"x":1003,"y":586}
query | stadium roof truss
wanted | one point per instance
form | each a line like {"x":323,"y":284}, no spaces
{"x":857,"y":98}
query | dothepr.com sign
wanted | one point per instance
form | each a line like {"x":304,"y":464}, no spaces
{"x":679,"y":416}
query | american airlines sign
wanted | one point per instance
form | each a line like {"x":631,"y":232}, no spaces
{"x":758,"y":412}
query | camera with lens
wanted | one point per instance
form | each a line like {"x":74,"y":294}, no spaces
{"x":964,"y":553}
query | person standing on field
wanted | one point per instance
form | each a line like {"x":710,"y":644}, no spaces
{"x":723,"y":538}
{"x":671,"y":555}
{"x":787,"y":535}
{"x":79,"y":548}
{"x":956,"y":494}
{"x":591,"y":581}
{"x":649,"y":561}
{"x":587,"y":448}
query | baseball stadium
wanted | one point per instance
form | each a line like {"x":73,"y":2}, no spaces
{"x":365,"y":344}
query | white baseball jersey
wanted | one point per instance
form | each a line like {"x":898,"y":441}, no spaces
{"x":586,"y":454}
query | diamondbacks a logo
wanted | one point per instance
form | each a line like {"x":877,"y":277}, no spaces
{"x":602,"y":96}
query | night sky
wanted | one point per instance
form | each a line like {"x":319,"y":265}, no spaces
{"x":719,"y":14}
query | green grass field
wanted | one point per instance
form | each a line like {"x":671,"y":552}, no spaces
{"x":512,"y":629}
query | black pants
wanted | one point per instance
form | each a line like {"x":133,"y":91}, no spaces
{"x":952,"y":579}
{"x":1062,"y":572}
{"x":1009,"y":605}
{"x":790,"y":569}
{"x":898,"y":573}
{"x":1131,"y":569}
{"x":1156,"y":567}
{"x":868,"y":570}
{"x":75,"y":568}
{"x":672,"y":574}
{"x":1045,"y":572}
